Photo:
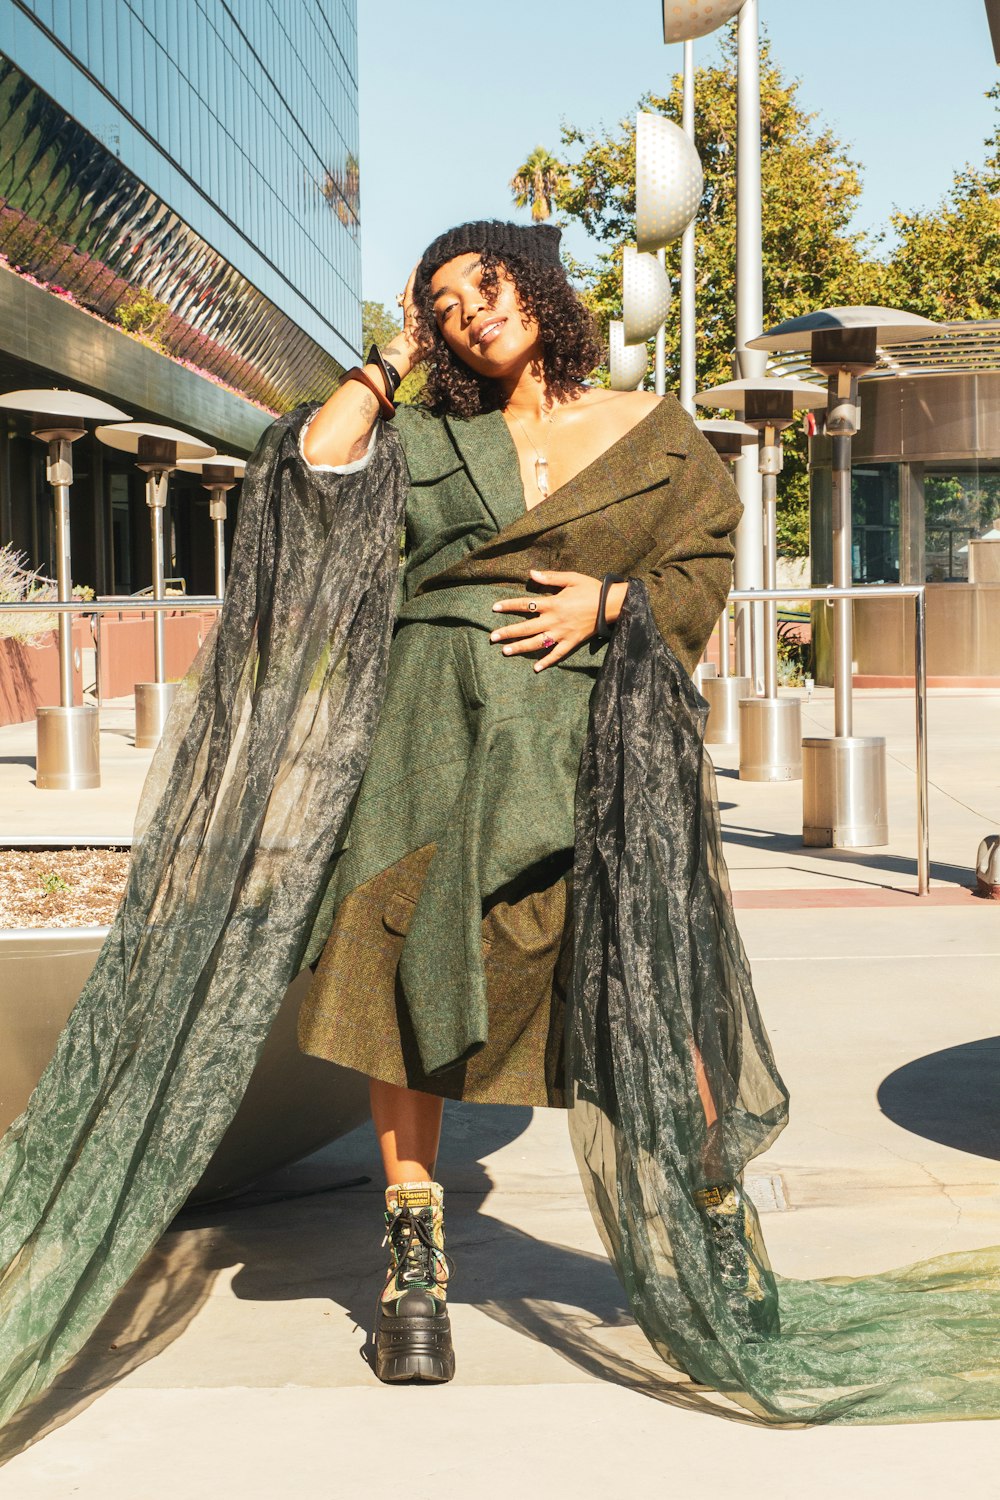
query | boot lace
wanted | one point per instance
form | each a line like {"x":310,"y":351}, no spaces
{"x":416,"y":1260}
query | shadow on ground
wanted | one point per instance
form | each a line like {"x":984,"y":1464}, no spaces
{"x":314,"y":1230}
{"x":951,"y":1096}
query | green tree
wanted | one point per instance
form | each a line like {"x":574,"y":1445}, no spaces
{"x":536,"y":182}
{"x":812,"y":258}
{"x":946,"y":263}
{"x":379,"y":326}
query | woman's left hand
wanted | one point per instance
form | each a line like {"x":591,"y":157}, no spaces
{"x":567,"y":618}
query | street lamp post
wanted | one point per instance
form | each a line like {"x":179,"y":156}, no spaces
{"x":724,"y":693}
{"x":157,"y":452}
{"x":218,"y":474}
{"x":770,"y":727}
{"x":844,"y":785}
{"x":68,"y":737}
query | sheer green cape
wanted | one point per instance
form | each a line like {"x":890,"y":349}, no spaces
{"x":247,"y":798}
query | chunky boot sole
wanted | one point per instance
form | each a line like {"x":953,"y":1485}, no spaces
{"x":413,"y":1350}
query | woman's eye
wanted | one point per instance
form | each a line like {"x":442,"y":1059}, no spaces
{"x":444,"y":311}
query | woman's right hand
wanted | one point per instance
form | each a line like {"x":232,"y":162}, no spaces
{"x":406,"y":348}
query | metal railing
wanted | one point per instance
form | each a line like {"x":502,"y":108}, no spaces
{"x":917,"y":593}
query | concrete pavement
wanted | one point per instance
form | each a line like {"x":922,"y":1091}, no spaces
{"x":885,"y":1023}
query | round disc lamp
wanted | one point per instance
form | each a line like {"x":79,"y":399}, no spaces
{"x":626,"y":362}
{"x":686,"y":20}
{"x":645,"y":295}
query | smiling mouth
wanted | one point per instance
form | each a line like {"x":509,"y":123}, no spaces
{"x":489,"y":332}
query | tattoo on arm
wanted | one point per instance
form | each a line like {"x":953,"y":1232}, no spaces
{"x":369,"y":407}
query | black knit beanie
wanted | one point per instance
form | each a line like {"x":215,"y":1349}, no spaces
{"x":538,"y":243}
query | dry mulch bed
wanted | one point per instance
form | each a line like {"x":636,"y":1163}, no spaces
{"x":61,"y":887}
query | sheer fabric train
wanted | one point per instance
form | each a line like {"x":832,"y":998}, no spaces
{"x":246,"y":800}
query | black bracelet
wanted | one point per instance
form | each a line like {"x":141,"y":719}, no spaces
{"x":391,"y":376}
{"x":604,"y":630}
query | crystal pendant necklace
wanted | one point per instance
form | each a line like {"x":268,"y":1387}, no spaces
{"x":541,"y":462}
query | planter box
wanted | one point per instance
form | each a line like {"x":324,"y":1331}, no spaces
{"x":126,"y":645}
{"x":294,"y":1104}
{"x":29,"y":675}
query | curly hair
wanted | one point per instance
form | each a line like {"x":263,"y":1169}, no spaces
{"x":570,"y":343}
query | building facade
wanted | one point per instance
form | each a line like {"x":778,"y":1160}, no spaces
{"x":179,"y":233}
{"x":925,"y":509}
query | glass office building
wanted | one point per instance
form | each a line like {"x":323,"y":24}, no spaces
{"x":184,"y":172}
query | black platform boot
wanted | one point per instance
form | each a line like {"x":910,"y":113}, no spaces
{"x":744,"y":1268}
{"x":412,"y":1328}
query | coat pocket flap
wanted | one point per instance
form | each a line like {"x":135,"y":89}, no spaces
{"x":398,"y":913}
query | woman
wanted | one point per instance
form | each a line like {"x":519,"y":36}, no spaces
{"x":528,"y":487}
{"x":476,"y":792}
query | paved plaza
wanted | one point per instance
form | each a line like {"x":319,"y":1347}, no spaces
{"x":883,"y":1013}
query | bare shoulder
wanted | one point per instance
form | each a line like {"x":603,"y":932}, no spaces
{"x":618,"y":409}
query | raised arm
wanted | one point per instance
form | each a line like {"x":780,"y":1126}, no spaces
{"x":341,"y":430}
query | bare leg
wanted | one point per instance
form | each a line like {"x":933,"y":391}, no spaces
{"x":408,"y":1126}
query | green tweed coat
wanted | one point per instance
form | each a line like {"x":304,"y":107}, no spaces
{"x":447,"y":913}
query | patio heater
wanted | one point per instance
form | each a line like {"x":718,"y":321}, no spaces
{"x":218,"y":475}
{"x":724,"y":693}
{"x":67,"y":757}
{"x":844,"y":788}
{"x":158,"y":451}
{"x":770,"y":727}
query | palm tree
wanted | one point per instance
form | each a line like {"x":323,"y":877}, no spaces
{"x":537,"y":182}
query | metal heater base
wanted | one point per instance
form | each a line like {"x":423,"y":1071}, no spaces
{"x":68,"y":758}
{"x":702,"y":672}
{"x":770,"y":739}
{"x":844,"y":798}
{"x":152,"y":705}
{"x":723,"y":695}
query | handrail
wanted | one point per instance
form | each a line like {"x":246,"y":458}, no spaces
{"x":103,"y":607}
{"x":918,"y":593}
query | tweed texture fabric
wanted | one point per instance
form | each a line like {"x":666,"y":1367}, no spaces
{"x":470,"y":785}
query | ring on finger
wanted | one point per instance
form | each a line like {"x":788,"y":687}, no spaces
{"x":548,"y":642}
{"x":532,"y":607}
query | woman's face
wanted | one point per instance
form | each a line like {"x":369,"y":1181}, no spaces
{"x":493,"y":337}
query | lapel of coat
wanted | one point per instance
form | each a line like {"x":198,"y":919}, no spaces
{"x":490,"y":458}
{"x":633,"y":464}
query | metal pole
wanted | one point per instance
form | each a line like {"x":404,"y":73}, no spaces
{"x":843,"y":609}
{"x":156,"y":495}
{"x":660,"y":355}
{"x":219,"y":527}
{"x":749,"y":321}
{"x":724,"y":643}
{"x":923,"y":791}
{"x":688,"y":383}
{"x":769,"y":485}
{"x":217,"y":513}
{"x":60,"y":476}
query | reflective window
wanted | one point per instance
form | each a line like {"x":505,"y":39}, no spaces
{"x":875,"y":523}
{"x":961,"y":504}
{"x":243,"y":118}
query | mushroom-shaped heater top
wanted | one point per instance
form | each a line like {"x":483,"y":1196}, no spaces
{"x":56,"y":413}
{"x":839,"y":338}
{"x":767,"y":401}
{"x":153,"y":444}
{"x":221,"y":468}
{"x":726,"y":437}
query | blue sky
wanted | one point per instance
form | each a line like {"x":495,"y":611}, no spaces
{"x":455,"y":95}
